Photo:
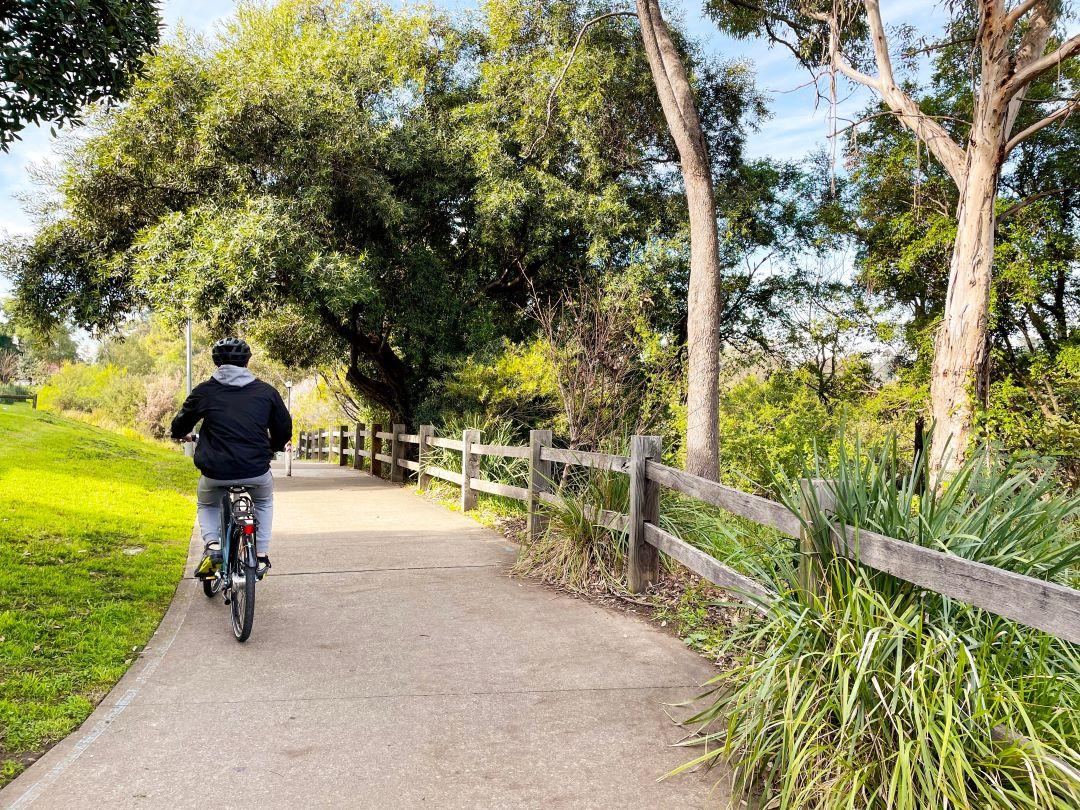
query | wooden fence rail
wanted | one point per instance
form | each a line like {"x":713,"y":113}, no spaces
{"x":1046,"y":606}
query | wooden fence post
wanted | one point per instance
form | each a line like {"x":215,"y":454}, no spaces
{"x":376,"y":448}
{"x":343,"y":445}
{"x":426,"y":432}
{"x":643,"y":560}
{"x":300,"y":444}
{"x":396,"y":454}
{"x":470,"y":467}
{"x":539,"y":480}
{"x":811,"y":573}
{"x":358,"y":446}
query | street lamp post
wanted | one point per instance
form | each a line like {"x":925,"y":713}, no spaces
{"x":189,"y":447}
{"x":289,"y":449}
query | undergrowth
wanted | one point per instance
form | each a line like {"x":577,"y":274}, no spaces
{"x":878,"y":694}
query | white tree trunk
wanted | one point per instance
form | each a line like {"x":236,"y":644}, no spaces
{"x":704,"y":305}
{"x":960,"y":372}
{"x":960,"y":352}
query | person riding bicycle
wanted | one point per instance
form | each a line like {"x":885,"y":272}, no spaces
{"x":244,"y":422}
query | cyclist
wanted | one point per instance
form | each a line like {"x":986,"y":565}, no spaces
{"x":244,"y":422}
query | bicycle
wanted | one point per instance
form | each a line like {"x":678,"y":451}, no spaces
{"x":234,"y":575}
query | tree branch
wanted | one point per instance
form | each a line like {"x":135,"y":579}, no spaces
{"x":935,"y":46}
{"x":1031,"y":47}
{"x":1056,"y":115}
{"x":562,"y":75}
{"x":1014,"y":16}
{"x":931,"y":133}
{"x":1019,"y":206}
{"x":1027,"y":74}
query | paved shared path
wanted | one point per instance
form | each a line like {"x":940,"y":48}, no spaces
{"x":393,"y":664}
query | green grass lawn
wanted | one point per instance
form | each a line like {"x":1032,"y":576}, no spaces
{"x":94,"y":529}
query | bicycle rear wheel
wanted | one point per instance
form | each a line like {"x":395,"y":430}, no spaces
{"x":243,"y":597}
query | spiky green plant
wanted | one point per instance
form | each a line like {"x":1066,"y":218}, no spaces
{"x":879,"y":694}
{"x":513,"y":471}
{"x":573,"y":552}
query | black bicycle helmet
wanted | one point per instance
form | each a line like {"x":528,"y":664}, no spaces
{"x":231,"y":351}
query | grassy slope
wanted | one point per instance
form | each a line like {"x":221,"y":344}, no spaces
{"x":94,"y":530}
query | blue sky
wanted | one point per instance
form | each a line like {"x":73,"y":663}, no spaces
{"x":796,"y":127}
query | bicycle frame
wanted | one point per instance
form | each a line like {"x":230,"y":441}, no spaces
{"x":237,"y":516}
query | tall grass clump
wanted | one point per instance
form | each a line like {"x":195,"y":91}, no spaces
{"x":874,"y":693}
{"x":513,"y":471}
{"x":573,"y":552}
{"x":577,"y":554}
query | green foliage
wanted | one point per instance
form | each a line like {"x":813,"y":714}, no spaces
{"x":1035,"y":411}
{"x":108,"y":390}
{"x":381,"y":188}
{"x":514,"y":381}
{"x":57,"y":56}
{"x":84,"y":577}
{"x":775,"y":422}
{"x":880,"y":694}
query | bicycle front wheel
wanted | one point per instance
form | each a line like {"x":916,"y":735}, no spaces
{"x":243,"y":600}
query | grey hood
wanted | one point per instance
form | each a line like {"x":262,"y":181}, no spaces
{"x":233,"y":375}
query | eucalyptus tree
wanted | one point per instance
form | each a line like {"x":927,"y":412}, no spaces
{"x":1004,"y":48}
{"x":699,"y":128}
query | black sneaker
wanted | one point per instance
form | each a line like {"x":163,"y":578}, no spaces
{"x":262,"y":565}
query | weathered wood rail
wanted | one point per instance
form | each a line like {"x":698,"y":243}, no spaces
{"x":1036,"y":603}
{"x":9,"y":399}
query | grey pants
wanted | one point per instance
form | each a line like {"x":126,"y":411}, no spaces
{"x":261,"y":489}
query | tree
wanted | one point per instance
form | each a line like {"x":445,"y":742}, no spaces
{"x":1008,"y":49}
{"x":900,"y":209}
{"x":56,"y":56}
{"x":704,"y":303}
{"x":707,"y":308}
{"x":352,"y":185}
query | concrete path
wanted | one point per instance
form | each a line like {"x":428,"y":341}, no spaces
{"x":393,"y":664}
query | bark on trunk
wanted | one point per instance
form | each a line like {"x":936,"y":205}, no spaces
{"x":959,"y":374}
{"x":704,"y":304}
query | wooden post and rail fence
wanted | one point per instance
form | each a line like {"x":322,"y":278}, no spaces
{"x":1047,"y":606}
{"x":9,"y":399}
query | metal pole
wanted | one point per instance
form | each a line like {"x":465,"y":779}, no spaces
{"x":189,"y":447}
{"x":187,"y":341}
{"x":289,"y":451}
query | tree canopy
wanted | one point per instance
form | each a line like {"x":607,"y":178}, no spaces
{"x":56,"y":56}
{"x":384,"y":188}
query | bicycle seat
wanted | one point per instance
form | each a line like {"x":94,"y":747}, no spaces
{"x":235,"y":490}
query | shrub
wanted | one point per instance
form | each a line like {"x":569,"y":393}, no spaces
{"x":881,"y":694}
{"x":106,"y":391}
{"x":159,"y":405}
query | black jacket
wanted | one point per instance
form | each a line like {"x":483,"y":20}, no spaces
{"x":243,"y":426}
